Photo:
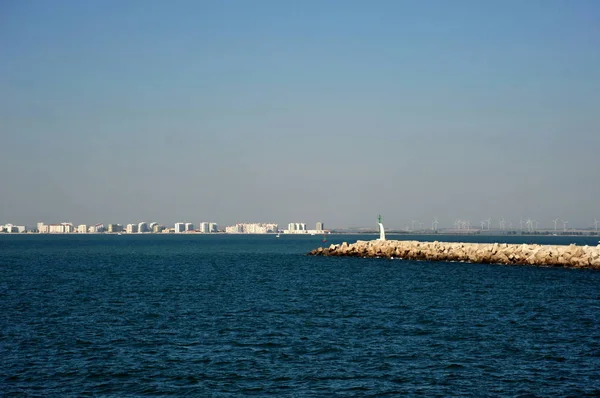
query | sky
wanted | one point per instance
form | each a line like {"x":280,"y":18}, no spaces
{"x":299,"y":111}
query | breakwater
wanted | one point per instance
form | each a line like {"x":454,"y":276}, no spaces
{"x":571,"y":256}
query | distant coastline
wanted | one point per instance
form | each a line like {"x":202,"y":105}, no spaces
{"x":332,"y":232}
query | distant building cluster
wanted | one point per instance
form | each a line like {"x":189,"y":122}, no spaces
{"x":134,"y":228}
{"x":12,"y":229}
{"x":300,"y":228}
{"x":296,"y":226}
{"x":154,"y":227}
{"x":62,"y":228}
{"x":253,"y":228}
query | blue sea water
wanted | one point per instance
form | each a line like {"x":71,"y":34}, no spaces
{"x":223,"y":315}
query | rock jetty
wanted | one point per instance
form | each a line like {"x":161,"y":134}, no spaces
{"x":571,"y":256}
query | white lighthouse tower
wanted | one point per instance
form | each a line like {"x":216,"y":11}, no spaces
{"x":381,"y":230}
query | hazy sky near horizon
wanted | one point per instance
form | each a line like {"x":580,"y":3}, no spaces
{"x":304,"y":111}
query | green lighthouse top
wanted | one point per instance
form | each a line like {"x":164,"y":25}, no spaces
{"x":379,"y":218}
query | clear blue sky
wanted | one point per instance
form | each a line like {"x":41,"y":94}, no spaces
{"x":281,"y":111}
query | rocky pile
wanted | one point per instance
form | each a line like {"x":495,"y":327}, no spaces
{"x":572,"y":256}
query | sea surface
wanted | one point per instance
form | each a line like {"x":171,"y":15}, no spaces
{"x":228,"y":316}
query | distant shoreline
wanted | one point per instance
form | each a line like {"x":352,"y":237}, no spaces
{"x":333,"y":232}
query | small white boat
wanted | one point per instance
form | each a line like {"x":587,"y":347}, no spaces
{"x":277,"y":236}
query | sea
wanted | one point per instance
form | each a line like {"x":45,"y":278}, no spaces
{"x":253,"y":315}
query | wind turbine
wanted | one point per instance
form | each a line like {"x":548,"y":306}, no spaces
{"x":458,"y":223}
{"x":502,"y":224}
{"x":528,"y":223}
{"x":555,"y":221}
{"x":482,"y":224}
{"x":434,"y":224}
{"x":565,"y":225}
{"x":489,"y":220}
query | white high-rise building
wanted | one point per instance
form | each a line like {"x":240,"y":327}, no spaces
{"x":179,"y":227}
{"x":112,"y":228}
{"x":11,"y":229}
{"x":131,"y":228}
{"x":143,"y":228}
{"x":62,"y":228}
{"x":320,"y":226}
{"x":98,"y":228}
{"x":213,"y":227}
{"x":298,"y":228}
{"x":204,"y":227}
{"x":56,"y":229}
{"x":189,"y":226}
{"x":82,"y":228}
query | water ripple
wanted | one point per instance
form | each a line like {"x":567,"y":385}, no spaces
{"x":230,"y":317}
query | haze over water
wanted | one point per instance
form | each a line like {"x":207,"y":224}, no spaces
{"x":226,"y":315}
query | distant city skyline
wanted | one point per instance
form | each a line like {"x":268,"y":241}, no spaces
{"x":270,"y":111}
{"x":500,"y":224}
